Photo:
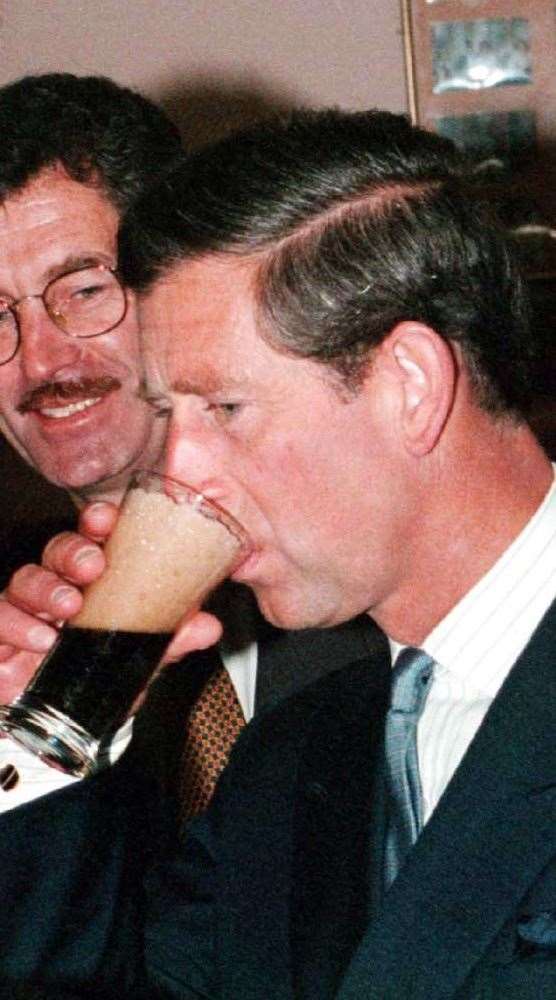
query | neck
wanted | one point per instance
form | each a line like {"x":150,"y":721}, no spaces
{"x":471,"y":508}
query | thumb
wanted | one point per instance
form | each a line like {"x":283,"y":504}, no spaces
{"x":200,"y":631}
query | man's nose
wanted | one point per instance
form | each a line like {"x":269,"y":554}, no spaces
{"x":193,"y":456}
{"x":44,"y":349}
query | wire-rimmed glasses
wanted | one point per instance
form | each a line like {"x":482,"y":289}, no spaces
{"x":81,"y":303}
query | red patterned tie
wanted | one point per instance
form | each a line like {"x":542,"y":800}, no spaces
{"x":214,"y":724}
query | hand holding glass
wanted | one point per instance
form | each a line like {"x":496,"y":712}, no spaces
{"x":170,"y":548}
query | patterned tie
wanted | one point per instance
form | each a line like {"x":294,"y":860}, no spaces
{"x":214,"y":724}
{"x":411,"y":682}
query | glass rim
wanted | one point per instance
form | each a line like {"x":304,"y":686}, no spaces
{"x":209,"y":507}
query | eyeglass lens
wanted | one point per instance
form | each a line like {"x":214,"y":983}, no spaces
{"x":83,"y":303}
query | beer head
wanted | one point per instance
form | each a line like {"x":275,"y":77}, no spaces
{"x":169,"y":549}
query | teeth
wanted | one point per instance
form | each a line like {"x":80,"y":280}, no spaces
{"x":66,"y":411}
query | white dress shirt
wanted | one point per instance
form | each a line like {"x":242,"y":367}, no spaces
{"x":476,"y":645}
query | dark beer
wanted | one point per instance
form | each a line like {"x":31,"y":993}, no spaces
{"x":170,"y":548}
{"x":93,"y":676}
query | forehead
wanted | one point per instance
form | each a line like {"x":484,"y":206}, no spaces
{"x":202,"y":318}
{"x":54,"y":217}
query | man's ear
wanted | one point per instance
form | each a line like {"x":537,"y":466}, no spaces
{"x":426,"y":373}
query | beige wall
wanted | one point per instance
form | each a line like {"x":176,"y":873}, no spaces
{"x":225,"y":56}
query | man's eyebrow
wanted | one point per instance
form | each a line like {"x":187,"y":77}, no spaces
{"x":209,"y":385}
{"x":75,"y":262}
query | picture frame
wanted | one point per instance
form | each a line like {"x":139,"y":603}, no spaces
{"x":483,"y":73}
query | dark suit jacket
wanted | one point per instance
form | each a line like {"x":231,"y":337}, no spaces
{"x":274,"y":895}
{"x":287,"y":662}
{"x":74,"y":861}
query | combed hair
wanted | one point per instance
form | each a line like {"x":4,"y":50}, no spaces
{"x":359,"y":221}
{"x":100,"y":132}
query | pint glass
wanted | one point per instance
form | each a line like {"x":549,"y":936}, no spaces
{"x":170,"y":547}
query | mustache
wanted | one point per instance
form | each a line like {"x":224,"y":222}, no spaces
{"x":50,"y":392}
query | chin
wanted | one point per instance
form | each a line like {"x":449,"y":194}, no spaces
{"x":87,"y":474}
{"x":287,"y":611}
{"x":80,"y":479}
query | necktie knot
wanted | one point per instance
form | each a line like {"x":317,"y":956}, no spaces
{"x":411,"y":679}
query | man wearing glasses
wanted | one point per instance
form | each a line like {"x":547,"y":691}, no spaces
{"x":75,"y":153}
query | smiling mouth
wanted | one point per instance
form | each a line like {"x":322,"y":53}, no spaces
{"x":56,"y":413}
{"x":58,"y":400}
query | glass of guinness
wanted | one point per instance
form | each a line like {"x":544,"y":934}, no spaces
{"x":170,"y":548}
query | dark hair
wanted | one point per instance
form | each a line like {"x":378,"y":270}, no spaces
{"x":100,"y":132}
{"x":360,"y":221}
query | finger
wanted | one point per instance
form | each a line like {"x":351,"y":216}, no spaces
{"x":199,"y":632}
{"x":39,"y":592}
{"x":15,"y":673}
{"x":74,"y":558}
{"x":21,"y":631}
{"x":97,"y":520}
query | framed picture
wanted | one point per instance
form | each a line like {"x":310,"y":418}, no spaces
{"x":483,"y":73}
{"x":480,"y":53}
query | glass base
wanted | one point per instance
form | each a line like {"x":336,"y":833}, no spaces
{"x":50,"y":735}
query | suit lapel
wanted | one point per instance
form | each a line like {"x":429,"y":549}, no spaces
{"x":288,"y":818}
{"x":331,"y":826}
{"x":289,"y":661}
{"x":490,"y":837}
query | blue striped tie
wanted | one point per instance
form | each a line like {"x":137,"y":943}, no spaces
{"x":411,"y":681}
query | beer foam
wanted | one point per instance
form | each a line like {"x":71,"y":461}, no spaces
{"x":164,"y":556}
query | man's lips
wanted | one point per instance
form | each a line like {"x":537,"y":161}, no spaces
{"x":249,"y":560}
{"x":63,"y":399}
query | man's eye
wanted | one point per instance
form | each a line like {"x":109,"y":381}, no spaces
{"x":89,"y":292}
{"x":223,"y":412}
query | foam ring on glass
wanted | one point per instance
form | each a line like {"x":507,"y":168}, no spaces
{"x":170,"y":548}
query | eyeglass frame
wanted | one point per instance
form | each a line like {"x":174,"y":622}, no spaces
{"x":12,"y":306}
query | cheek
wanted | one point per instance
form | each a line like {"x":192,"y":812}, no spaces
{"x":289,"y":484}
{"x":119,"y":350}
{"x":313,"y":498}
{"x":10,"y":389}
{"x":282,"y":465}
{"x":315,"y":470}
